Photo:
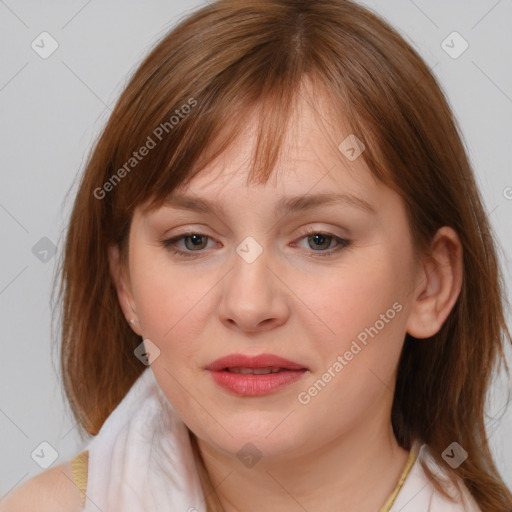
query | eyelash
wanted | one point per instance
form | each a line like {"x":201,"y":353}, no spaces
{"x":169,"y":243}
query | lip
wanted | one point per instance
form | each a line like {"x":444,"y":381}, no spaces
{"x":254,"y":385}
{"x":259,"y":361}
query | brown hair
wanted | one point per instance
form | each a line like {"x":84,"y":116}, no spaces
{"x":231,"y":56}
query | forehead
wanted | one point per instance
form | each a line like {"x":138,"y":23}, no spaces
{"x":313,"y":157}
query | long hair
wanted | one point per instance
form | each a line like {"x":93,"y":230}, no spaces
{"x":187,"y":102}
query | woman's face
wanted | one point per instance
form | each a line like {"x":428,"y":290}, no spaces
{"x":255,"y":278}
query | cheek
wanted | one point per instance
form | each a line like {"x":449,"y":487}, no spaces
{"x":352,"y":298}
{"x":356,"y":364}
{"x":363,"y":317}
{"x":171,"y":305}
{"x":170,"y":302}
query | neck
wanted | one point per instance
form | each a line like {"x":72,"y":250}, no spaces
{"x":353,"y":472}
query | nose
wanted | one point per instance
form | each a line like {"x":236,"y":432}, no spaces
{"x":253,"y":297}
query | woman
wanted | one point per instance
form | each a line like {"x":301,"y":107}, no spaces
{"x":280,"y":288}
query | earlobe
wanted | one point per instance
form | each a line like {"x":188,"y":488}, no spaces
{"x":438,"y":285}
{"x":124,"y":295}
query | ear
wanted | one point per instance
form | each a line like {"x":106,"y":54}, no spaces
{"x":122,"y":285}
{"x":438,"y":285}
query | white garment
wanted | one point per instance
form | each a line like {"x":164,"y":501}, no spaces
{"x":141,"y":461}
{"x":419,"y":495}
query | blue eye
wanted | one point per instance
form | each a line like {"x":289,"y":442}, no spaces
{"x":321,"y":238}
{"x":195,"y":242}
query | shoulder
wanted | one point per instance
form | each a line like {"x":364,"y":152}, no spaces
{"x":52,"y":490}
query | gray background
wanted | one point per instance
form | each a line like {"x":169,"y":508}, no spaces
{"x":52,"y":109}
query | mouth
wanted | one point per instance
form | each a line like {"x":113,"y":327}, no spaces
{"x":270,"y":363}
{"x":255,"y":371}
{"x":255,"y":375}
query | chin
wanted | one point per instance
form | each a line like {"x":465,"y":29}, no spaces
{"x":245,"y":443}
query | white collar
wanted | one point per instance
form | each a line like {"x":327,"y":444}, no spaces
{"x":135,"y":465}
{"x":418,"y":493}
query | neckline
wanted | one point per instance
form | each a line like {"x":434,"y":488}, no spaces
{"x":120,"y":418}
{"x":79,"y":465}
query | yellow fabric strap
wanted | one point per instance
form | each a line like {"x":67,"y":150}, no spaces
{"x":79,"y":467}
{"x":408,"y":465}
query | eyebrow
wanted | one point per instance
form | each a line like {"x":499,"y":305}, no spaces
{"x":286,"y":206}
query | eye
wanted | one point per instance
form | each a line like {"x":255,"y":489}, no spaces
{"x":323,"y":240}
{"x":195,"y":242}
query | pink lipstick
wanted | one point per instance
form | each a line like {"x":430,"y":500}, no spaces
{"x":254,"y":375}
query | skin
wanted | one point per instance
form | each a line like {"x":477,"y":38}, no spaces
{"x":52,"y":490}
{"x":338,"y":451}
